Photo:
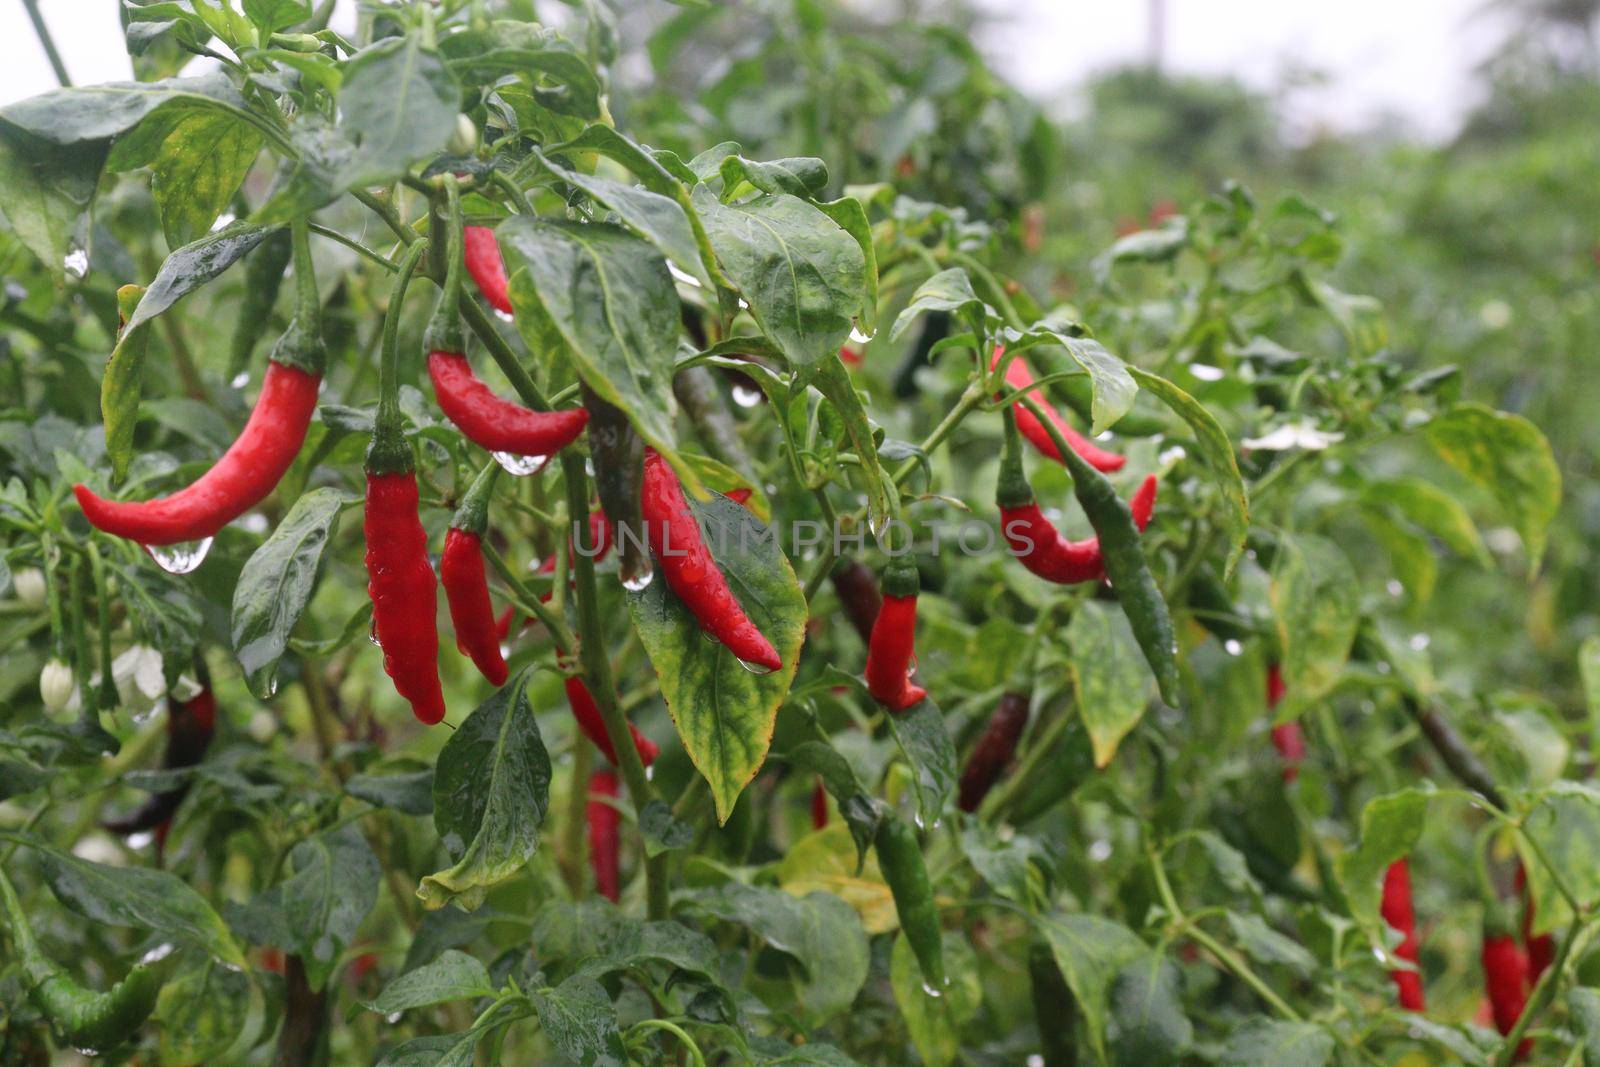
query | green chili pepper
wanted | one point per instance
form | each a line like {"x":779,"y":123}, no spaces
{"x":1125,"y":564}
{"x":1054,"y":1007}
{"x":86,"y":1020}
{"x":900,"y":858}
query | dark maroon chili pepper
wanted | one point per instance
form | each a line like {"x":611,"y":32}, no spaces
{"x":466,"y":586}
{"x":486,"y":266}
{"x":993,"y":752}
{"x":190,"y":726}
{"x":819,"y":806}
{"x":691,"y":572}
{"x":1034,"y":539}
{"x":256,"y":461}
{"x":1398,"y":912}
{"x":1541,"y":948}
{"x":1287,"y":737}
{"x":604,"y":846}
{"x":399,"y":579}
{"x":893,"y":644}
{"x":1018,"y":376}
{"x":857,"y":589}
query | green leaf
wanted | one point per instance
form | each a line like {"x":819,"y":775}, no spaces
{"x":819,"y":931}
{"x":804,"y":278}
{"x":1265,"y":945}
{"x":934,"y":1021}
{"x":724,"y":713}
{"x":1215,"y":452}
{"x":850,"y":216}
{"x":1090,"y":952}
{"x":1390,"y":827}
{"x":397,"y":106}
{"x":201,"y":1011}
{"x":1112,"y":386}
{"x":53,"y":148}
{"x":1282,"y":1044}
{"x":277,"y":582}
{"x":663,"y":831}
{"x":1507,"y":455}
{"x":1108,"y":673}
{"x":1410,"y":554}
{"x":801,"y":176}
{"x":924,"y":739}
{"x":562,"y":80}
{"x":862,"y":811}
{"x":1317,"y":609}
{"x":198,"y":159}
{"x":581,"y":1022}
{"x":445,"y":1050}
{"x":453,"y":976}
{"x":1584,"y":1006}
{"x":491,"y":789}
{"x":1148,"y":1024}
{"x":146,"y":899}
{"x":1009,"y":863}
{"x":195,"y":264}
{"x":1426,"y":505}
{"x":410,"y":792}
{"x":1565,"y":822}
{"x":1589,"y":673}
{"x":833,"y":381}
{"x":661,"y":220}
{"x":611,"y":298}
{"x":274,"y":15}
{"x":948,"y":291}
{"x":122,"y":383}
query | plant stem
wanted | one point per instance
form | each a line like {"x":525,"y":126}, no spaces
{"x":46,"y":42}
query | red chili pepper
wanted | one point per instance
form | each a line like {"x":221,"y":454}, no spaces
{"x":740,"y":496}
{"x":857,"y":589}
{"x":1287,"y":737}
{"x":399,"y":578}
{"x":1039,"y":546}
{"x":819,"y":806}
{"x":1505,"y":979}
{"x":486,"y":266}
{"x":1018,"y":376}
{"x":466,"y":587}
{"x":690,"y":570}
{"x":604,"y":851}
{"x":1398,"y":912}
{"x":1541,"y":948}
{"x":190,"y":727}
{"x":600,"y":537}
{"x":993,"y":752}
{"x":493,"y":423}
{"x":850,"y":356}
{"x":892,"y":647}
{"x":587,"y":714}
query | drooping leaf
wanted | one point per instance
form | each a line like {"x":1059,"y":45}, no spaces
{"x":122,"y":383}
{"x":1090,"y":951}
{"x":1508,"y":456}
{"x":1112,"y":688}
{"x":1316,"y":607}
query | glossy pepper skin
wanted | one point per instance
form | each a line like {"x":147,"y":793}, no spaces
{"x":403,"y":591}
{"x":900,"y":858}
{"x":1018,"y":376}
{"x":1397,"y":911}
{"x":256,"y":461}
{"x":1039,"y":546}
{"x":993,"y":752}
{"x":1287,"y":737}
{"x":486,"y":266}
{"x":466,"y":586}
{"x":190,"y":727}
{"x":892,"y":645}
{"x":603,"y":820}
{"x":493,"y":423}
{"x":691,"y":572}
{"x":241,"y":479}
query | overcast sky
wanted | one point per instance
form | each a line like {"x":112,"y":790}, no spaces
{"x":1411,"y":58}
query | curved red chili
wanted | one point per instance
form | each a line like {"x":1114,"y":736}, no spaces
{"x":249,"y":470}
{"x":1287,"y":737}
{"x":892,"y":646}
{"x":1018,"y":376}
{"x":1505,"y":981}
{"x":256,"y":461}
{"x":466,"y":586}
{"x":493,"y":423}
{"x":993,"y":752}
{"x":691,"y":572}
{"x":402,"y":587}
{"x":1398,"y":912}
{"x":604,"y":846}
{"x":1039,"y":546}
{"x":486,"y":266}
{"x":587,"y":715}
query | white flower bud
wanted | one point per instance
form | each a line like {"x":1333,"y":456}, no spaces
{"x":139,"y":679}
{"x":29,"y":586}
{"x":464,"y":139}
{"x":57,"y":688}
